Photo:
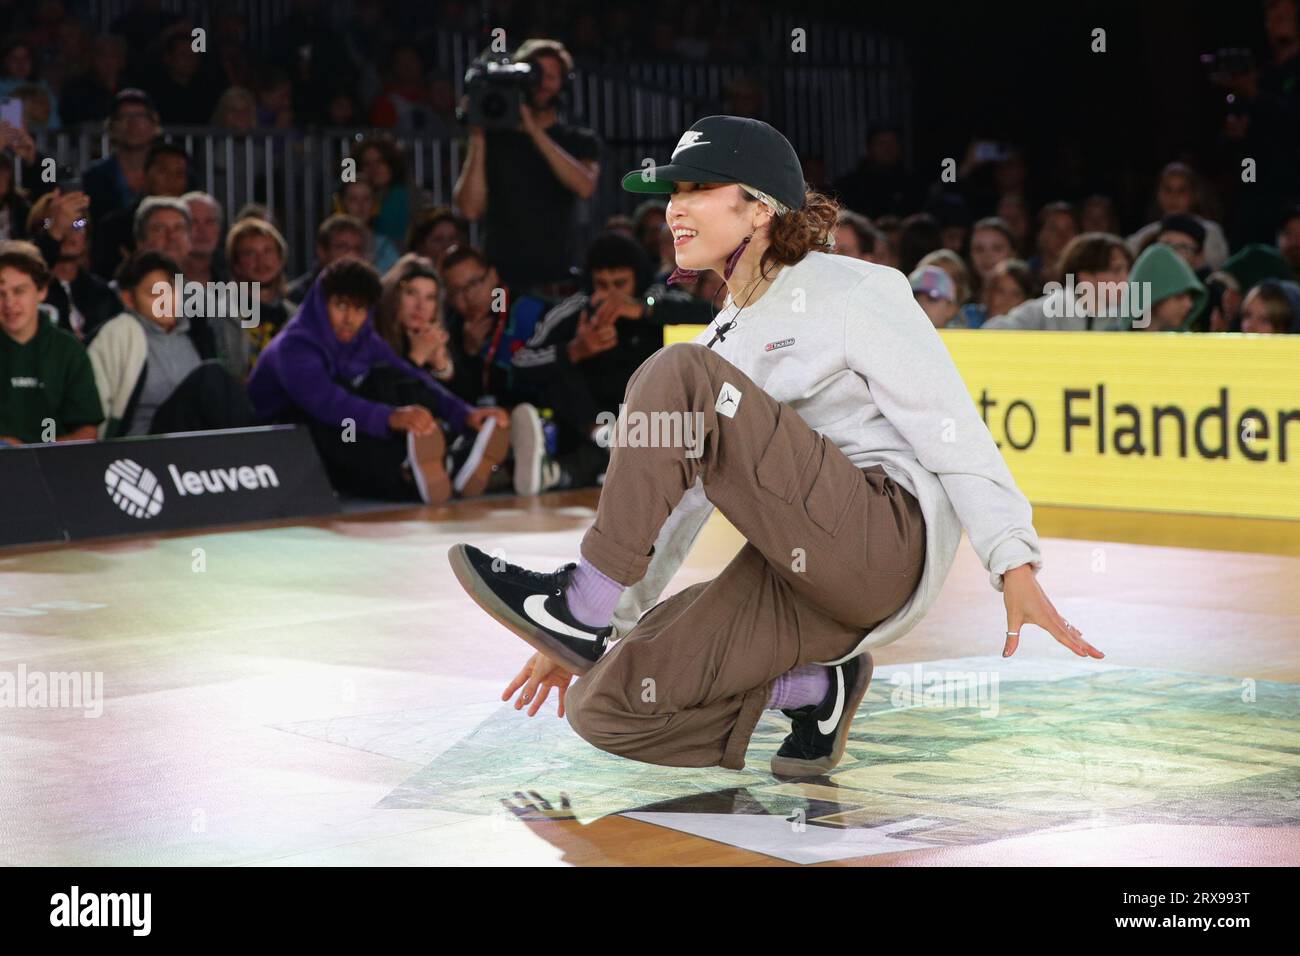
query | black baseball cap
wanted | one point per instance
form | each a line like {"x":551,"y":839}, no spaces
{"x":728,"y":149}
{"x":133,"y":94}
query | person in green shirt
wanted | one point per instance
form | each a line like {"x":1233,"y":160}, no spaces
{"x":47,"y":386}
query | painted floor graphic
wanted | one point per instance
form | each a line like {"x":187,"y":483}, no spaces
{"x":943,"y":753}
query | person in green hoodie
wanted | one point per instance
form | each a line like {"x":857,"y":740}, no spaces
{"x":1176,"y":296}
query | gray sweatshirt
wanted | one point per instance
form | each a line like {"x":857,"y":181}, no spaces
{"x":1048,"y":312}
{"x":865,"y":367}
{"x":172,"y":356}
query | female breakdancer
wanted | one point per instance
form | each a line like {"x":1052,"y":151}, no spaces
{"x":836,"y":436}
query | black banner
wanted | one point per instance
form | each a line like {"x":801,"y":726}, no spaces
{"x":27,"y":514}
{"x":156,"y":483}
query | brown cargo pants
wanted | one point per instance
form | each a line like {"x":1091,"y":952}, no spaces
{"x":831,"y":551}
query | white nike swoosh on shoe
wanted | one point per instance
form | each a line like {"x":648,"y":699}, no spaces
{"x":535,"y":608}
{"x":827,"y":726}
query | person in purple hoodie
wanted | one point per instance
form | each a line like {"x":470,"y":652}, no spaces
{"x":382,"y":426}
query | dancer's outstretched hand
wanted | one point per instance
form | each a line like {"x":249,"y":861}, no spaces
{"x":1027,"y":603}
{"x":537,"y":678}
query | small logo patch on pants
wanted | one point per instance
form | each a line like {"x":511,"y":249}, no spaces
{"x":728,"y":400}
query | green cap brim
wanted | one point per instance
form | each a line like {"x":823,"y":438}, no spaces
{"x":639,"y":181}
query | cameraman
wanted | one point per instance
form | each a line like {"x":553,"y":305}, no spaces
{"x":527,"y":181}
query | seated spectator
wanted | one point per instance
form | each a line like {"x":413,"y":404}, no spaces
{"x":487,"y":323}
{"x":380,"y":163}
{"x":118,"y":180}
{"x":14,"y":207}
{"x":1178,"y":192}
{"x":1186,"y":236}
{"x":991,"y":242}
{"x":339,"y":236}
{"x":621,"y":224}
{"x":667,"y":258}
{"x":1094,"y":261}
{"x":880,"y":183}
{"x":955,"y":267}
{"x":1288,"y":238}
{"x":892,"y":227}
{"x":404,"y":101}
{"x":647,"y":218}
{"x":236,"y":111}
{"x":408,"y":317}
{"x":239,"y":173}
{"x":1250,"y":265}
{"x":435,"y":231}
{"x":439,"y":121}
{"x":919,"y":235}
{"x":184,"y":91}
{"x":579,"y":359}
{"x":1176,"y":295}
{"x":38,"y":106}
{"x":16,"y":142}
{"x":953,"y":216}
{"x":1058,"y":225}
{"x":1009,"y":284}
{"x":1222,"y":311}
{"x":1013,"y":209}
{"x":1272,"y":308}
{"x":358,"y":201}
{"x":856,"y":237}
{"x":47,"y":387}
{"x":1097,"y":214}
{"x":257,"y":253}
{"x":370,"y":412}
{"x":162,"y":224}
{"x":155,"y":368}
{"x":89,"y":98}
{"x":166,"y":173}
{"x":275,"y":99}
{"x":82,"y":302}
{"x":342,"y":109}
{"x":936,"y":294}
{"x":206,"y":261}
{"x":18,"y":69}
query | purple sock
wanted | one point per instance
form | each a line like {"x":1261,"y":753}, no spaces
{"x":592,"y":596}
{"x":800,"y":687}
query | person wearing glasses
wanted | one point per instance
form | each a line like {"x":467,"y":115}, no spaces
{"x":59,"y":224}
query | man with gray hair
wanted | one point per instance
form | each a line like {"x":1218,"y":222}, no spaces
{"x":163,"y":224}
{"x":205,"y":262}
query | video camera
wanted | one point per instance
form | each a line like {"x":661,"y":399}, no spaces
{"x":495,"y":88}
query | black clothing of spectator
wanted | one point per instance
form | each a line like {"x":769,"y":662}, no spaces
{"x":532,"y":217}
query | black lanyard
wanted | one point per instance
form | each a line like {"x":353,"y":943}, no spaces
{"x":720,"y":333}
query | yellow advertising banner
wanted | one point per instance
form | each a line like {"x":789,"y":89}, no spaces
{"x":1186,"y":423}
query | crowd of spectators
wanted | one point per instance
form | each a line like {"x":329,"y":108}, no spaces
{"x":425,"y":366}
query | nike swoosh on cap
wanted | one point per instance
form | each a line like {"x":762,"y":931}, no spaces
{"x":535,"y":608}
{"x":827,"y":726}
{"x":700,"y":142}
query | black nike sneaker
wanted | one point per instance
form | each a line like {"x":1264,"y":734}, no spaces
{"x":532,"y":604}
{"x":818,"y":734}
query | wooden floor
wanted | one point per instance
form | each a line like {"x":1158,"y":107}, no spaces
{"x":323,"y":693}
